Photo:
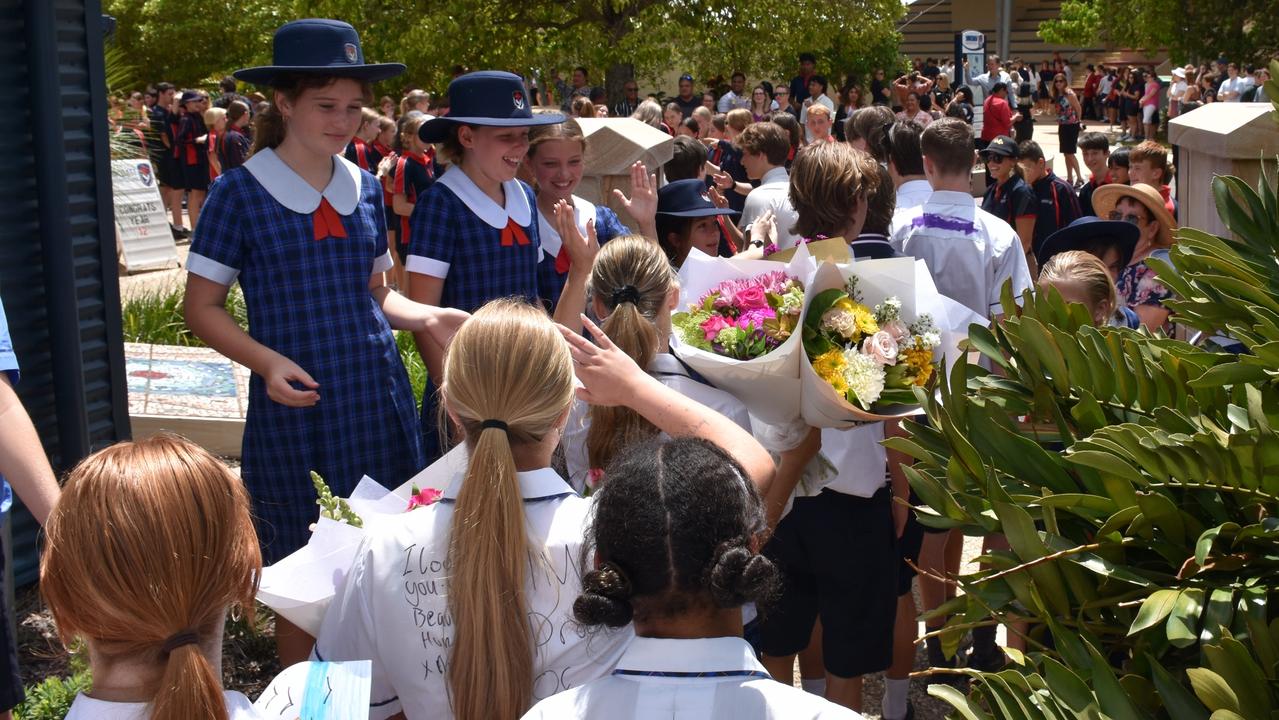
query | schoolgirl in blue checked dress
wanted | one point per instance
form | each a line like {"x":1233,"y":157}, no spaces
{"x":302,"y":230}
{"x":473,"y":233}
{"x":555,"y":162}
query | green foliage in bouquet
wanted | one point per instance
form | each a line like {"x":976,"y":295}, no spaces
{"x":331,"y":507}
{"x":1136,"y":479}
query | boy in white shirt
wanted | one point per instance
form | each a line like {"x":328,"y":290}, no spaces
{"x":971,"y":254}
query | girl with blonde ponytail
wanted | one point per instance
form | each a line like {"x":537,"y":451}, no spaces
{"x":634,"y":290}
{"x":148,"y":547}
{"x":465,"y":607}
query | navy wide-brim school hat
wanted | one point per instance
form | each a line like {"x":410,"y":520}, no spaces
{"x":1088,"y":232}
{"x":490,"y":98}
{"x":319,"y":47}
{"x":688,"y":198}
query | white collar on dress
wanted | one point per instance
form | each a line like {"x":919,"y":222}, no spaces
{"x":517,"y":206}
{"x":583,"y":210}
{"x":717,"y":654}
{"x":541,"y":484}
{"x":294,"y":193}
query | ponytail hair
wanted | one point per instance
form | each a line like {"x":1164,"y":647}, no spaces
{"x":269,"y":128}
{"x":632,"y":278}
{"x":149,"y":544}
{"x":508,"y":381}
{"x":674,"y":530}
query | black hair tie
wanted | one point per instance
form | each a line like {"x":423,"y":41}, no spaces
{"x":626,"y":294}
{"x":494,"y":424}
{"x":178,"y":640}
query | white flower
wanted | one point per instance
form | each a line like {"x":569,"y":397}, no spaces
{"x":865,"y":377}
{"x":840,"y":321}
{"x":888,"y":311}
{"x":931,"y":339}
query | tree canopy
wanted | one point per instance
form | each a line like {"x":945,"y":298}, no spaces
{"x":172,"y":40}
{"x":1242,"y":30}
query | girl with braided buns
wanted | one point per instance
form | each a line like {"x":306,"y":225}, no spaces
{"x":676,"y":533}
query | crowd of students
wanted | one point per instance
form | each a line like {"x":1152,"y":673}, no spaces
{"x":702,"y":568}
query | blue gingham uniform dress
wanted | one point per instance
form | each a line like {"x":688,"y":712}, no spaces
{"x":309,"y":300}
{"x":445,"y":230}
{"x":549,"y":281}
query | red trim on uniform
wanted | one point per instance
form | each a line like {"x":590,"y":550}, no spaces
{"x":513,"y":233}
{"x":723,"y":228}
{"x":361,"y":154}
{"x":326,"y":222}
{"x":212,"y":144}
{"x":397,"y":187}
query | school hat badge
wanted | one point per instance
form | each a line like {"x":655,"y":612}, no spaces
{"x":489,"y":98}
{"x":317,"y":46}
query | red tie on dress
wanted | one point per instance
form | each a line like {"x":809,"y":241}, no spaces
{"x":562,"y":261}
{"x":513,"y":233}
{"x":327,"y":221}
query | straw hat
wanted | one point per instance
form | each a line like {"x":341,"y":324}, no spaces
{"x":1106,"y":197}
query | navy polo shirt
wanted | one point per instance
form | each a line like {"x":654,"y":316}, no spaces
{"x":1057,"y":207}
{"x":1010,"y":201}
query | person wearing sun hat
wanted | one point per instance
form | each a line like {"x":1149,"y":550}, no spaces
{"x":1142,"y":206}
{"x":301,"y":229}
{"x":473,"y":235}
{"x":687,"y":219}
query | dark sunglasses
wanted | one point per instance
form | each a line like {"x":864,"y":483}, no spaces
{"x":1116,"y":216}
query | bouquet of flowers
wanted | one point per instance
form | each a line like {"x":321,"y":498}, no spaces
{"x":874,"y":331}
{"x":744,"y":319}
{"x":740,"y":328}
{"x":871,"y":357}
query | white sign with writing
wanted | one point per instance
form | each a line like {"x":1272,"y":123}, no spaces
{"x":141,"y":225}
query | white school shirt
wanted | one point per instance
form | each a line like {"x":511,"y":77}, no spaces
{"x":773,"y":194}
{"x":393,"y":607}
{"x":668,"y":370}
{"x":970,"y":252}
{"x":912,"y":193}
{"x":701,"y":679}
{"x":87,"y":708}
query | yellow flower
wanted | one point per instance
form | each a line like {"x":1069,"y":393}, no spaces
{"x":921,"y":361}
{"x":829,"y":366}
{"x":865,"y":320}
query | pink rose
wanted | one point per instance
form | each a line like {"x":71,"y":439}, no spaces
{"x":897,"y":329}
{"x":713,"y":325}
{"x":751,"y":298}
{"x":881,"y":347}
{"x":422,"y":498}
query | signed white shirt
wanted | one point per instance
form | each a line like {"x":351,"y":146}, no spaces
{"x":702,"y":679}
{"x":393,"y":608}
